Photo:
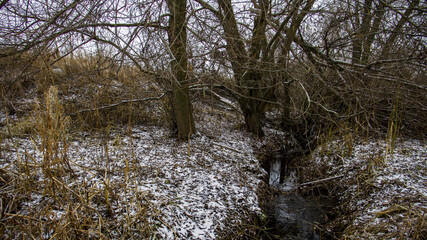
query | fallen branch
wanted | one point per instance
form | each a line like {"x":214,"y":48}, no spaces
{"x":217,"y":96}
{"x":224,"y":100}
{"x":229,"y":148}
{"x":117,"y":104}
{"x":321,"y":180}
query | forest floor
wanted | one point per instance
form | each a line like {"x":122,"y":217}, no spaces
{"x":132,"y":182}
{"x":138,"y":182}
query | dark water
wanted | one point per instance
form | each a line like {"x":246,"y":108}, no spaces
{"x":294,"y":217}
{"x":291,"y":215}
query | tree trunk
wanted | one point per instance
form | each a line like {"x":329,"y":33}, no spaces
{"x":253,"y":100}
{"x":245,"y":66}
{"x":180,"y":85}
{"x":361,"y":32}
{"x":367,"y":45}
{"x":253,"y":119}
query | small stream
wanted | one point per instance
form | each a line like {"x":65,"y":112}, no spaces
{"x":291,"y":215}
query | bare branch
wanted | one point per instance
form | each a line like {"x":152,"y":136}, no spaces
{"x":118,"y":104}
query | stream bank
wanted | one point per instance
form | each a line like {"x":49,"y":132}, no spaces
{"x":292,"y":215}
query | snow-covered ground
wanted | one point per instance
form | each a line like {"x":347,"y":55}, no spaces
{"x":384,"y":193}
{"x":139,"y":179}
{"x":141,"y":183}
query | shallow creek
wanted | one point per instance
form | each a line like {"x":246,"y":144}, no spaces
{"x":292,"y":216}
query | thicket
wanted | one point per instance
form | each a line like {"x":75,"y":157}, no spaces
{"x":362,"y":65}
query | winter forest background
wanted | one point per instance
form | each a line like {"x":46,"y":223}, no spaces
{"x":115,"y":87}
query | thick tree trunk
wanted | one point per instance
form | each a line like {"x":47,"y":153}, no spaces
{"x":290,"y":37}
{"x":180,"y":85}
{"x":245,"y":64}
{"x":253,"y":119}
{"x":253,"y":101}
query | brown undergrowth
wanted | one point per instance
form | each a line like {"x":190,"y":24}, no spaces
{"x":95,"y":90}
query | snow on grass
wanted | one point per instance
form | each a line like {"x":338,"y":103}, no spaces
{"x":177,"y":190}
{"x":385,"y":194}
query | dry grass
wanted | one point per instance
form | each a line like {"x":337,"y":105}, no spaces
{"x":378,"y":192}
{"x":43,"y":200}
{"x":95,"y":91}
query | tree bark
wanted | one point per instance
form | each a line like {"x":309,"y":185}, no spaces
{"x":245,"y":67}
{"x":367,"y":45}
{"x":253,"y":83}
{"x":180,"y":84}
{"x":361,"y":32}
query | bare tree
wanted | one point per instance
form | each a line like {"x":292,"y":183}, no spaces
{"x":180,"y":84}
{"x":257,"y":64}
{"x":276,"y":52}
